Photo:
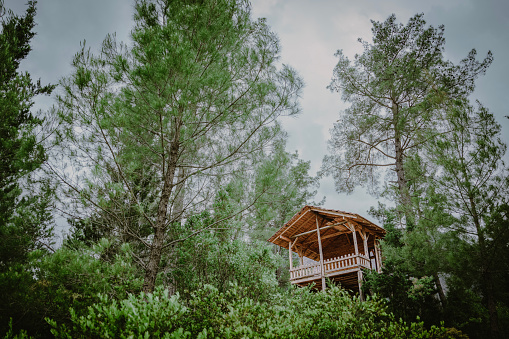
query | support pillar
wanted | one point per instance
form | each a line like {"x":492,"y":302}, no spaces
{"x":378,"y":257}
{"x":290,"y":254}
{"x":359,"y":279}
{"x":359,"y":272}
{"x":365,"y":244}
{"x":321,"y":253}
{"x":365,"y":237}
{"x":354,"y":235}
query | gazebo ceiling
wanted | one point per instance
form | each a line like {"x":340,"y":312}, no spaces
{"x":301,"y":229}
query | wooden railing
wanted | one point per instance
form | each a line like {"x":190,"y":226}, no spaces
{"x":342,"y":263}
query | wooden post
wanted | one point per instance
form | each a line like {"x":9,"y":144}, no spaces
{"x":321,"y":253}
{"x":360,"y":275}
{"x":359,"y":272}
{"x":359,"y":279}
{"x":378,"y":257}
{"x":365,"y":243}
{"x":376,"y":254}
{"x":354,"y":234}
{"x":290,"y":254}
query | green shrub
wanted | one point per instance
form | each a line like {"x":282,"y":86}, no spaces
{"x":218,"y":259}
{"x":10,"y":333}
{"x":155,"y":315}
{"x":71,"y":277}
{"x":210,"y":313}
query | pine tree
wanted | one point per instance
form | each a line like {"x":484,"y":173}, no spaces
{"x":398,"y":89}
{"x":25,"y":200}
{"x":198,"y":90}
{"x":476,"y":181}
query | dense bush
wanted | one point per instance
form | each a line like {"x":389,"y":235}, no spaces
{"x":408,"y":297}
{"x":70,"y":277}
{"x":209,"y":313}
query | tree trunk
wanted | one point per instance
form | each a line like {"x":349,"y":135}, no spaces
{"x":178,"y":209}
{"x":406,"y":201}
{"x":156,"y":249}
{"x":440,"y":289}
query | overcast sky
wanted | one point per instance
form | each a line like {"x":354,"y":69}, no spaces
{"x":311,"y":31}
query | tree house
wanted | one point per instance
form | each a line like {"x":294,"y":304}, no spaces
{"x":330,"y":244}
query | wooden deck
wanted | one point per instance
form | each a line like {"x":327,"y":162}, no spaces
{"x":334,"y":268}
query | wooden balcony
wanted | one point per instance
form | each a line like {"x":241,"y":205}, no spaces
{"x":333,"y":267}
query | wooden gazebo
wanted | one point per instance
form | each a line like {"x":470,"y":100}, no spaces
{"x":338,"y":246}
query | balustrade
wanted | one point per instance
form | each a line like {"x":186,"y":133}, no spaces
{"x":341,"y":263}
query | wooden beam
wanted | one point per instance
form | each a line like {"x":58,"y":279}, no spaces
{"x":359,"y":226}
{"x":321,"y":229}
{"x":362,"y":233}
{"x":321,"y":253}
{"x":304,"y":233}
{"x":285,"y":238}
{"x":344,"y":228}
{"x":310,"y":250}
{"x":323,"y":238}
{"x":348,"y":239}
{"x":294,"y":222}
{"x":350,"y":226}
{"x":355,"y":223}
{"x":364,"y":236}
{"x":334,"y":213}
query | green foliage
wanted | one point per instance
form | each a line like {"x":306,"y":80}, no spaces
{"x":286,"y":185}
{"x":211,"y":314}
{"x":397,"y":88}
{"x":394,"y":235}
{"x":465,"y":309}
{"x":180,"y":170}
{"x":29,"y":226}
{"x":408,"y":297}
{"x":497,"y":230}
{"x":26,"y":224}
{"x":74,"y":276}
{"x":70,"y":277}
{"x":278,"y":188}
{"x":217,"y":257}
{"x":407,"y":275}
{"x":193,"y":97}
{"x":24,"y":220}
{"x":475,"y":180}
{"x":16,"y":292}
{"x":460,"y":198}
{"x":153,"y":315}
{"x":21,"y":335}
